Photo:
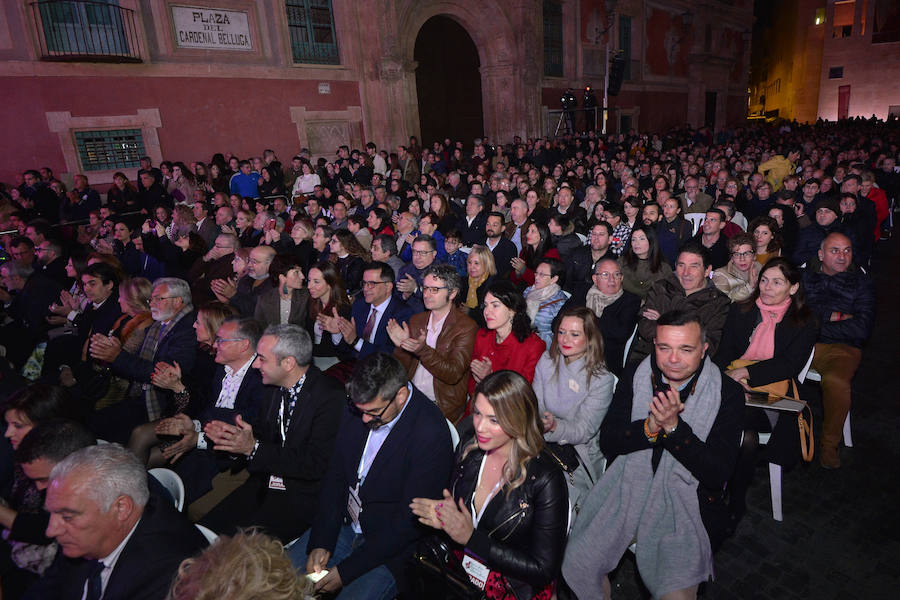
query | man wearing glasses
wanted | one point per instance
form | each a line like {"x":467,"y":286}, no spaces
{"x":170,"y":339}
{"x":393,"y":445}
{"x":436,"y":347}
{"x":616,"y":310}
{"x":693,"y":200}
{"x":366,"y":332}
{"x":409,"y":278}
{"x":289,"y":446}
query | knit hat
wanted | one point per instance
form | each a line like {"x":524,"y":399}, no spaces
{"x":831,"y":204}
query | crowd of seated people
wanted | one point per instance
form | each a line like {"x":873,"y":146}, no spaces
{"x":562,"y":332}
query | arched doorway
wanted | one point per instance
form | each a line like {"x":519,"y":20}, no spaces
{"x":448,"y":82}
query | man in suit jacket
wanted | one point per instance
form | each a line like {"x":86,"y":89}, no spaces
{"x":518,"y":225}
{"x":28,"y":294}
{"x":170,"y":339}
{"x":393,"y":445}
{"x":215,"y":264}
{"x":472,"y":224}
{"x":289,"y":448}
{"x":693,"y":200}
{"x":116,"y":542}
{"x":436,"y":347}
{"x":205,"y":226}
{"x":367,"y":333}
{"x":502,"y":249}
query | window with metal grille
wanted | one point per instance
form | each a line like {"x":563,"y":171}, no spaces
{"x":836,"y":73}
{"x":110,"y":149}
{"x":311,"y":29}
{"x":553,"y":39}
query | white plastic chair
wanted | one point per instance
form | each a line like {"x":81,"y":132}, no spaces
{"x":814,"y":375}
{"x":696,"y":220}
{"x":628,"y":345}
{"x":775,"y":469}
{"x":172,"y":482}
{"x":210,"y":535}
{"x":454,"y":434}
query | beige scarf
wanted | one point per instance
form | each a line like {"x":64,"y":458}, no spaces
{"x":597,"y":300}
{"x":472,"y":295}
{"x":536,"y":297}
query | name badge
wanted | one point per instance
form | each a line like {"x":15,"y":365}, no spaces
{"x":354,"y":505}
{"x":276,"y":483}
{"x":476,"y":570}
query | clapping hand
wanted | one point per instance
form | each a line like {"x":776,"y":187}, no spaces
{"x":167,"y":377}
{"x":481,"y":368}
{"x":105,"y":348}
{"x":664,"y":410}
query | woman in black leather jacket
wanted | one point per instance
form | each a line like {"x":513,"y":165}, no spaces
{"x":508,"y":509}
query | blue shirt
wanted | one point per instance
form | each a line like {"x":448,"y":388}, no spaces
{"x":245,"y":185}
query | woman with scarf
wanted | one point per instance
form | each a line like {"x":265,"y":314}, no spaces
{"x":545,"y":298}
{"x":774,"y":329}
{"x":482,"y":270}
{"x":737,"y":279}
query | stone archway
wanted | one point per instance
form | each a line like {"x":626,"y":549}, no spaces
{"x":448,"y":82}
{"x":510,"y":89}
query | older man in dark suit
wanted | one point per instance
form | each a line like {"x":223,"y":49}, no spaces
{"x":393,"y":445}
{"x":116,"y":541}
{"x":170,"y":339}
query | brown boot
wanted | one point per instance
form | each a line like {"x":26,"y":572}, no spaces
{"x":830,"y":457}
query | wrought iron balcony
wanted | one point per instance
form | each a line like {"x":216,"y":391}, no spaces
{"x":78,"y":30}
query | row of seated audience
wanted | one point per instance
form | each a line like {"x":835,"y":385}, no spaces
{"x":590,"y":349}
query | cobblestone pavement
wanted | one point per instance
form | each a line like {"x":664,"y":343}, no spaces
{"x":840,"y":538}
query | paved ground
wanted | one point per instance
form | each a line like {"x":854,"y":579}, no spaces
{"x":840,"y":537}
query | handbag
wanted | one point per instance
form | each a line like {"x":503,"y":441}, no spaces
{"x":438,"y":573}
{"x":786,"y":389}
{"x":564,"y":454}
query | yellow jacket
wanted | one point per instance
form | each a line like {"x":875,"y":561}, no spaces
{"x":776,"y":169}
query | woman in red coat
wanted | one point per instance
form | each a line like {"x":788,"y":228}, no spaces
{"x":508,"y":342}
{"x":538,"y":246}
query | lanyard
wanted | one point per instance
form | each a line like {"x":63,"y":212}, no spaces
{"x":365,"y":465}
{"x":476,"y":515}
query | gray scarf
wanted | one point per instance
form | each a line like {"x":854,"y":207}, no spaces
{"x":597,"y":300}
{"x":659,"y":510}
{"x":536,"y":297}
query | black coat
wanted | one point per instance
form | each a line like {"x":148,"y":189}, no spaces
{"x":617,"y":323}
{"x":523,"y":535}
{"x":163,"y":538}
{"x":415,"y":461}
{"x":504,"y":252}
{"x":793,"y":344}
{"x":579,"y":269}
{"x":474,"y":233}
{"x":851,"y":293}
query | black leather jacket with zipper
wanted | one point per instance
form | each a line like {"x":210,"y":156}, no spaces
{"x":522,"y":535}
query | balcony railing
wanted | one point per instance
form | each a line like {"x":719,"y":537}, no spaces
{"x":75,"y":30}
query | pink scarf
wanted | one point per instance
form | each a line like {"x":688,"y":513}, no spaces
{"x":762,"y":342}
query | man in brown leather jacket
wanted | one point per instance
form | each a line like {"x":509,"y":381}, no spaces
{"x":435,"y":347}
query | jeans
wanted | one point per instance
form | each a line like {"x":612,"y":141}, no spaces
{"x":377,"y":584}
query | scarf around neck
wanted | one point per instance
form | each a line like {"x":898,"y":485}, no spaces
{"x":762,"y":341}
{"x":597,"y":300}
{"x":472,"y":294}
{"x":536,"y":297}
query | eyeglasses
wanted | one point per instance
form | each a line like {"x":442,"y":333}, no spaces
{"x":219,"y":340}
{"x":432,"y":289}
{"x":548,"y":275}
{"x":608,"y":275}
{"x":422,"y":252}
{"x":371,"y":284}
{"x":158,"y":299}
{"x":356,"y":411}
{"x":743,"y":254}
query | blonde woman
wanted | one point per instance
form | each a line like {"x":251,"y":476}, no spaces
{"x":482,"y":270}
{"x":507,"y":506}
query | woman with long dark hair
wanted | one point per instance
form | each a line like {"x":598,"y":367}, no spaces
{"x":507,"y":507}
{"x":349,"y":258}
{"x":538,"y":246}
{"x":772,"y":333}
{"x":642,"y":263}
{"x":507,"y":340}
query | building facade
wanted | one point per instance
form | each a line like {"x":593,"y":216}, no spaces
{"x":828,"y":59}
{"x":92,"y":85}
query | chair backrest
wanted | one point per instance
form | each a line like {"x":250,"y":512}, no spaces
{"x":210,"y":535}
{"x":801,"y":376}
{"x":172,"y":482}
{"x":628,"y":345}
{"x":454,"y":434}
{"x":696,"y":220}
